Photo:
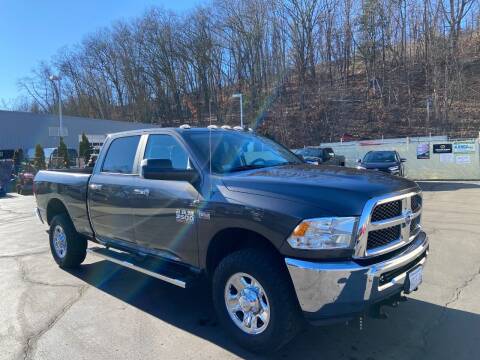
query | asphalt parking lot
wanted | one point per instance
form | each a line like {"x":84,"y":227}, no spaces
{"x":103,"y":311}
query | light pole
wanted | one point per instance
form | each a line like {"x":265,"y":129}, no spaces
{"x":239,"y":95}
{"x":210,"y":111}
{"x":54,"y":78}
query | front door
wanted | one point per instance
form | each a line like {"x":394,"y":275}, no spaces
{"x":164,"y":210}
{"x":110,"y":191}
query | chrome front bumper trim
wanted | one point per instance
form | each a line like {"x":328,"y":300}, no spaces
{"x":339,"y":288}
{"x":38,"y":215}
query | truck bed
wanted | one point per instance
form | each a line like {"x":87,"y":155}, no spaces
{"x":70,"y":187}
{"x":87,"y":170}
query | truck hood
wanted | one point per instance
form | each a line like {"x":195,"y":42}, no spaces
{"x":336,"y":190}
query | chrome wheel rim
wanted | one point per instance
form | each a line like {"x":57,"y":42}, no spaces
{"x":59,"y":241}
{"x":247,"y":303}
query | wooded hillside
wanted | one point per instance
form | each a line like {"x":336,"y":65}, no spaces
{"x":309,"y":70}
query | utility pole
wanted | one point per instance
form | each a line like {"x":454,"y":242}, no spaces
{"x":210,"y":111}
{"x":239,"y":95}
{"x":54,"y":78}
{"x":429,"y":100}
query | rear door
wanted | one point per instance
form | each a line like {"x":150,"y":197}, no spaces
{"x":111,"y":188}
{"x":164,"y":210}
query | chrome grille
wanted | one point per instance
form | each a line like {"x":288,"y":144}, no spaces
{"x":415,"y":224}
{"x":388,"y":223}
{"x":387,"y":210}
{"x":416,"y":202}
{"x":383,"y":237}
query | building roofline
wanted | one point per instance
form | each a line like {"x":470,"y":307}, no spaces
{"x":69,"y":117}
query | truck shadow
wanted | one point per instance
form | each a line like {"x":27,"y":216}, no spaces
{"x":447,"y":185}
{"x":416,"y":329}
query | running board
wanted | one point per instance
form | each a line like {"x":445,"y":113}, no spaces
{"x":143,"y":264}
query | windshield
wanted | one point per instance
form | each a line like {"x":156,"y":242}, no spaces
{"x":236,"y":151}
{"x":379,"y":157}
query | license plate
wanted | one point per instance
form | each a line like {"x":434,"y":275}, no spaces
{"x":415,"y":278}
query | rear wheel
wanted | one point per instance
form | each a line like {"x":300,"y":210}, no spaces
{"x":68,"y":248}
{"x":255,"y":301}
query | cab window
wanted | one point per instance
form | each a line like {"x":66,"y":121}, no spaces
{"x":120,"y":157}
{"x":166,"y":147}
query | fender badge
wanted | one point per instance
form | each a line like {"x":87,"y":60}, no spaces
{"x":185,"y":216}
{"x":204,"y":215}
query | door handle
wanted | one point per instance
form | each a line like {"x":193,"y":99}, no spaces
{"x":143,"y":192}
{"x":195,"y":203}
{"x":95,"y":186}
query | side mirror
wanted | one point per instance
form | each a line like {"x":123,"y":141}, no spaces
{"x":161,"y":169}
{"x":403,"y":160}
{"x":359,"y":161}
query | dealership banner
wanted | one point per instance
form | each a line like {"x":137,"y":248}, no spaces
{"x":463,"y":147}
{"x":423,"y":151}
{"x":442,"y":148}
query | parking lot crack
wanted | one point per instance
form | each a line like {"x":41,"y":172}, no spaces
{"x":442,"y":316}
{"x":32,"y":340}
{"x":461,"y":288}
{"x":14,"y":256}
{"x":28,"y":280}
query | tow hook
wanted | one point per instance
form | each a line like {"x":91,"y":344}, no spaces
{"x":377,"y":311}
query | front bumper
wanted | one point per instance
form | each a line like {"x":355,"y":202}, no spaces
{"x":38,"y":214}
{"x":339,"y":290}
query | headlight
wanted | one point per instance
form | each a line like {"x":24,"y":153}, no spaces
{"x":323,"y":233}
{"x":360,"y":167}
{"x":393,"y":168}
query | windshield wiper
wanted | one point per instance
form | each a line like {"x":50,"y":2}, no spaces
{"x":258,"y":166}
{"x":287,"y":163}
{"x":246,"y":167}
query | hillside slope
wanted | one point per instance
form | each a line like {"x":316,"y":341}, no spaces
{"x":319,"y":112}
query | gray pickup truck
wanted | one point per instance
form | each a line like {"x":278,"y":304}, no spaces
{"x":281,"y":241}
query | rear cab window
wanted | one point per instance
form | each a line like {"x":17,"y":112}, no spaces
{"x":120,"y":158}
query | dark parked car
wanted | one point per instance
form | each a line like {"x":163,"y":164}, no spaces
{"x":385,"y":161}
{"x":278,"y":239}
{"x":25,"y":178}
{"x":318,"y":155}
{"x":6,"y":175}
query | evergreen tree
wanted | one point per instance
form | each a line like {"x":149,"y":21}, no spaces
{"x":85,"y":149}
{"x":39,"y":160}
{"x":18,"y":156}
{"x":62,"y":154}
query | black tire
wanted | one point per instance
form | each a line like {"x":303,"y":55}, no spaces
{"x":285,"y":317}
{"x":76,"y":245}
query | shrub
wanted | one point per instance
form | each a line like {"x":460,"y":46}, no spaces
{"x":39,"y":160}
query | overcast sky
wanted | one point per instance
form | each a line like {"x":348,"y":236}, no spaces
{"x":34,"y":30}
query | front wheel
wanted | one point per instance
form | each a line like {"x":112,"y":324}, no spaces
{"x":255,"y":301}
{"x":68,"y":248}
